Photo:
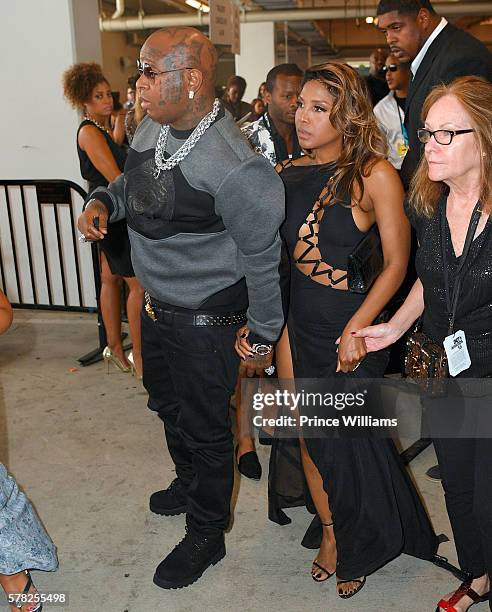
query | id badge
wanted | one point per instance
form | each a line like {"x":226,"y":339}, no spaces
{"x":457,"y":353}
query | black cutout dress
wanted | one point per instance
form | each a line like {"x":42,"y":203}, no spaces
{"x":376,"y":509}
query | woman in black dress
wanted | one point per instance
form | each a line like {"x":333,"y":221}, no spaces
{"x":451,"y":190}
{"x":367,"y":505}
{"x":101,"y":161}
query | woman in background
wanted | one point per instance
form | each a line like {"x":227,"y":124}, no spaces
{"x":102,"y":160}
{"x":262,"y":90}
{"x":133,"y":117}
{"x":233,"y":98}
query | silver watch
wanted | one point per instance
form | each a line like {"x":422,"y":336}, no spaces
{"x":261,"y":349}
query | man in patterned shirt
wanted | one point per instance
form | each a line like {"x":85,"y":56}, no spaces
{"x":274,"y":134}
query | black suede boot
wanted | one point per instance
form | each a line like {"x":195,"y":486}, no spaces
{"x":189,"y":559}
{"x":170,"y":501}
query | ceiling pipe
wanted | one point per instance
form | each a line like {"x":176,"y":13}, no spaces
{"x":152,"y":22}
{"x":120,"y":9}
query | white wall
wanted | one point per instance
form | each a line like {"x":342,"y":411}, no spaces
{"x":257,"y":55}
{"x":39,"y":41}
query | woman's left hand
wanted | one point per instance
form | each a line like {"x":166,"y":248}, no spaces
{"x":351,"y":351}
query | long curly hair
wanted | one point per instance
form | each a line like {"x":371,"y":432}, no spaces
{"x":475,"y":96}
{"x":79,"y":82}
{"x":351,"y":114}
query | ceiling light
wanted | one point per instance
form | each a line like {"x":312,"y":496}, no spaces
{"x":198,"y":6}
{"x":369,"y":19}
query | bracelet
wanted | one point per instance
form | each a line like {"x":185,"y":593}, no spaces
{"x":260,"y":350}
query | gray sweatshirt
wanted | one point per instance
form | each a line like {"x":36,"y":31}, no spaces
{"x":206,"y":224}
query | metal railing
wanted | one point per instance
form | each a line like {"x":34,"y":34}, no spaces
{"x":42,"y":263}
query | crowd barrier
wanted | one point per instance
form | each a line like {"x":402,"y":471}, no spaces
{"x":42,"y":263}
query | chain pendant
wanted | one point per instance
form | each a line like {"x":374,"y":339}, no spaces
{"x":157,"y":172}
{"x":150,"y":311}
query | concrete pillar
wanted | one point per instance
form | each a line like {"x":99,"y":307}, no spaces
{"x":257,"y":55}
{"x":39,"y":41}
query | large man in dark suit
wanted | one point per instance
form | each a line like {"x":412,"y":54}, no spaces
{"x":438,"y":51}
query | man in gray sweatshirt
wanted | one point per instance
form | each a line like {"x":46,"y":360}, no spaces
{"x":203,"y":213}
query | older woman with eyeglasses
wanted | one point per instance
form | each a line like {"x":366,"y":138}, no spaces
{"x":449,"y":204}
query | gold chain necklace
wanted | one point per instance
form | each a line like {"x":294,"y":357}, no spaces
{"x":97,"y":124}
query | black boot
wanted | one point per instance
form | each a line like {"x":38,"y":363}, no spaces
{"x":189,"y":559}
{"x":171,"y":501}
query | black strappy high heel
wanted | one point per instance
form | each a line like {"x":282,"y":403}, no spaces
{"x":26,"y":590}
{"x":361,"y":582}
{"x":316,"y":565}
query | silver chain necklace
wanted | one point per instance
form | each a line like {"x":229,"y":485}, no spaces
{"x":185,"y":148}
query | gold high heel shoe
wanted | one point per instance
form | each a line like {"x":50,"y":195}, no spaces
{"x":132,"y":366}
{"x":109,"y":356}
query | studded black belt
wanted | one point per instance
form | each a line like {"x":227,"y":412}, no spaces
{"x":199,"y":319}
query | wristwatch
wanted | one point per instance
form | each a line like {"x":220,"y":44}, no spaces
{"x":261,"y":349}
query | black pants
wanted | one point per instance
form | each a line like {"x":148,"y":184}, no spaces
{"x":466,"y":471}
{"x":190,"y":373}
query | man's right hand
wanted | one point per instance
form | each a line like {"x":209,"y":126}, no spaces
{"x":95,"y":209}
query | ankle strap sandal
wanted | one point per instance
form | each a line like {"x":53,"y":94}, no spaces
{"x":360,"y":582}
{"x":464,"y":590}
{"x":318,"y":572}
{"x":34,"y":607}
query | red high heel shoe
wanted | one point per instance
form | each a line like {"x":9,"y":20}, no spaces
{"x":464,"y":590}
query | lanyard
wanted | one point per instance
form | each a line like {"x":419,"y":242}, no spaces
{"x":402,"y":126}
{"x":452,"y":300}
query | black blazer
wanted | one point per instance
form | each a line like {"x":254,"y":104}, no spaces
{"x":453,"y":53}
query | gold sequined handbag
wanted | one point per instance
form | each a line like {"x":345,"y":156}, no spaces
{"x":424,"y":358}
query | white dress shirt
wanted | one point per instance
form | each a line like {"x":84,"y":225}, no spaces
{"x":386,"y":111}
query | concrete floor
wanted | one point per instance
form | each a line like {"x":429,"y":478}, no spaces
{"x":88,"y":453}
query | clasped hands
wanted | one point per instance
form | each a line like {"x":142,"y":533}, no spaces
{"x":351,"y":351}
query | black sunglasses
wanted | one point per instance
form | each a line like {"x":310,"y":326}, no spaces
{"x":150,"y":73}
{"x":443,"y":137}
{"x":390,"y":67}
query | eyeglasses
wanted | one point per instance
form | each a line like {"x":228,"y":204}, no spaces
{"x":443,"y":137}
{"x":148,"y":72}
{"x":390,"y":67}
